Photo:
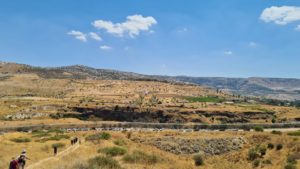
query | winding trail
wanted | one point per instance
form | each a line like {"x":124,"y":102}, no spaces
{"x":57,"y":157}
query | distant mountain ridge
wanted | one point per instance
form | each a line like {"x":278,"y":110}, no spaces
{"x":276,"y":88}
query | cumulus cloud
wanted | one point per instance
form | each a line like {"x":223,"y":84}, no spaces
{"x":78,"y":35}
{"x":281,"y":15}
{"x":228,"y":52}
{"x":95,"y":36}
{"x":133,"y":25}
{"x":105,"y":47}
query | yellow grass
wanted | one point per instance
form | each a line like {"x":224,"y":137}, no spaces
{"x":235,"y":159}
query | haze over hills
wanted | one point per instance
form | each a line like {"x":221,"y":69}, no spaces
{"x":275,"y":88}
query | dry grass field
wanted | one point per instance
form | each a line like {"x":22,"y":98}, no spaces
{"x":39,"y":148}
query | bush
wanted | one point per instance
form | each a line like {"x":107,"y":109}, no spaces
{"x":253,"y":154}
{"x":141,"y":157}
{"x":99,"y":136}
{"x":198,"y":160}
{"x":256,"y":163}
{"x":105,"y":136}
{"x":294,"y":133}
{"x":40,"y":134}
{"x":258,"y":128}
{"x":262,"y":150}
{"x":290,"y":166}
{"x":276,"y":132}
{"x":279,"y":146}
{"x":120,"y":142}
{"x":58,"y":145}
{"x":113,"y":151}
{"x":267,"y":161}
{"x":21,"y":140}
{"x":102,"y":162}
{"x":292,"y":159}
{"x":270,"y":146}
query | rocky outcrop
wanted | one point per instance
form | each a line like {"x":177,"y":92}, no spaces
{"x":132,"y":114}
{"x":207,"y":146}
{"x":22,"y":116}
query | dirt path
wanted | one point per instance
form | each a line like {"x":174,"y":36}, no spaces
{"x":57,"y":157}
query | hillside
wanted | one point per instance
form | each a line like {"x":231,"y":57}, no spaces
{"x":85,"y":93}
{"x":275,"y":88}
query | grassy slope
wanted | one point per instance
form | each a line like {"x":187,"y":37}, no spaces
{"x":236,"y":159}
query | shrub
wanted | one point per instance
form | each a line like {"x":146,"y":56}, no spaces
{"x":294,"y":133}
{"x":58,"y":145}
{"x":99,"y":136}
{"x":105,"y":136}
{"x":258,"y":128}
{"x":267,"y":161}
{"x":198,"y":160}
{"x":279,"y":146}
{"x":21,"y":140}
{"x":101,"y":162}
{"x":113,"y":151}
{"x":292,"y":159}
{"x":262,"y":150}
{"x":120,"y":142}
{"x":141,"y":157}
{"x":256,"y":163}
{"x":270,"y":146}
{"x":290,"y":166}
{"x":276,"y":132}
{"x":253,"y":154}
{"x":40,"y":134}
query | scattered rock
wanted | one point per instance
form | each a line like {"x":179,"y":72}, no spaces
{"x":207,"y":146}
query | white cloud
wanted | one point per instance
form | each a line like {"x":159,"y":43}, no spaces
{"x":252,"y":44}
{"x":133,"y":25}
{"x":228,"y":52}
{"x":95,"y":36}
{"x":281,"y":15}
{"x":105,"y":47}
{"x":78,"y":35}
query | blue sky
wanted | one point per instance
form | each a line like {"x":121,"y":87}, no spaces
{"x":232,"y":38}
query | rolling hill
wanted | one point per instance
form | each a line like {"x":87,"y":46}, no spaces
{"x":275,"y":88}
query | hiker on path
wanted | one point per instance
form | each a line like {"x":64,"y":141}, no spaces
{"x":55,"y":150}
{"x":13,"y":164}
{"x":22,"y":159}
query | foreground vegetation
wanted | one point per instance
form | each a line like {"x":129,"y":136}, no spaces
{"x":109,"y":150}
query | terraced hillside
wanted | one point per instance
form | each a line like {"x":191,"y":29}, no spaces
{"x":83,"y":93}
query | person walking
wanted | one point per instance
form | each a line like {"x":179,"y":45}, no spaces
{"x":22,"y":159}
{"x":21,"y":162}
{"x":55,"y":150}
{"x":13,"y":164}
